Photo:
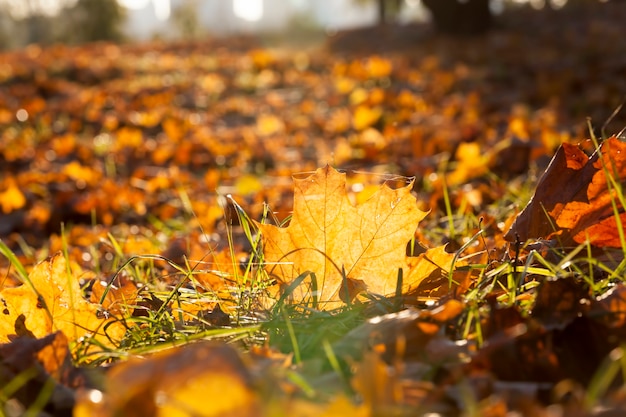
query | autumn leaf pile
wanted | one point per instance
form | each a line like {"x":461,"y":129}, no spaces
{"x":392,"y":223}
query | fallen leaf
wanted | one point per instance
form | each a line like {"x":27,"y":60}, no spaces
{"x":559,"y":301}
{"x":199,"y":379}
{"x":531,"y":352}
{"x":610,"y":307}
{"x":574,"y":200}
{"x":330,"y":237}
{"x":119,"y":296}
{"x":82,"y":175}
{"x":409,"y":334}
{"x":365,"y":116}
{"x":43,"y":365}
{"x":53,"y":302}
{"x":427,"y":273}
{"x":11,"y":198}
{"x":268,"y":124}
{"x":174,"y":129}
{"x":339,"y":406}
{"x":472,"y":162}
{"x":129,"y":137}
{"x":377,"y":383}
{"x":378,"y":67}
{"x":262,"y":58}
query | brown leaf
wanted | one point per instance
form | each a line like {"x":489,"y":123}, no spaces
{"x":573,"y":200}
{"x":531,"y":352}
{"x":41,"y":360}
{"x":409,"y":334}
{"x":559,"y":301}
{"x":610,"y":307}
{"x":329,"y":236}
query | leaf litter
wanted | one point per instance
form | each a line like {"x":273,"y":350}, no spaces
{"x":156,"y":185}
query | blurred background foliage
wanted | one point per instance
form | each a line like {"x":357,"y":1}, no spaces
{"x":24,"y":22}
{"x":74,"y":22}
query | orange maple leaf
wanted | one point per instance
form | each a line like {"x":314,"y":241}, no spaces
{"x":53,"y":303}
{"x":365,"y":244}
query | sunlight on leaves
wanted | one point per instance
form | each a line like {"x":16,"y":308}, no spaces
{"x":54,"y":302}
{"x":329,"y":236}
{"x":574,"y":199}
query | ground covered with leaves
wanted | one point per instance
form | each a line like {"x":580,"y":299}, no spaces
{"x":391,"y":223}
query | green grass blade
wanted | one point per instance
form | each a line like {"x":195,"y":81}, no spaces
{"x":22,"y":275}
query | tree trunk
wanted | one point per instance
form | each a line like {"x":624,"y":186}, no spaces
{"x":38,"y":29}
{"x":457,"y":17}
{"x":387,"y":8}
{"x":382,"y":15}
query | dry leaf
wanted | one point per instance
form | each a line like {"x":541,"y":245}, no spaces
{"x":378,"y":67}
{"x":338,"y":406}
{"x":573,"y":199}
{"x":268,"y":124}
{"x":365,"y":116}
{"x":472,"y":163}
{"x":53,"y":303}
{"x":43,"y":365}
{"x":329,"y":236}
{"x":11,"y":198}
{"x":200,"y":379}
{"x":120,"y":297}
{"x":129,"y":137}
{"x":559,"y":301}
{"x":610,"y":307}
{"x":378,"y":383}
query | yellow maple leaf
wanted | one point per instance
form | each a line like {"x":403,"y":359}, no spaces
{"x":333,"y":239}
{"x":53,"y":303}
